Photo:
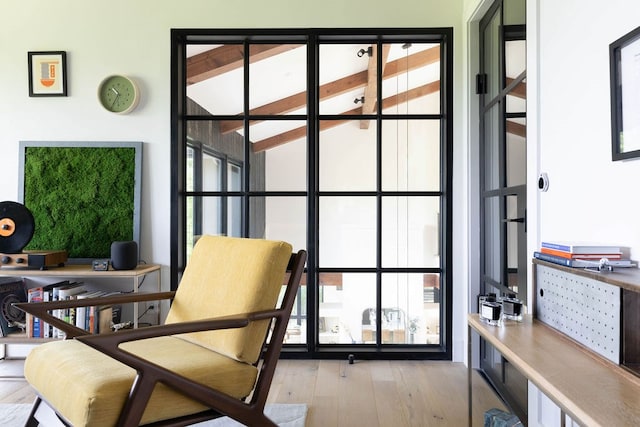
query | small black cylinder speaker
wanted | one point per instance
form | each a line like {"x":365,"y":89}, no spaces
{"x":124,"y":255}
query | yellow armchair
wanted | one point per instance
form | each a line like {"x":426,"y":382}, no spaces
{"x":203,"y":363}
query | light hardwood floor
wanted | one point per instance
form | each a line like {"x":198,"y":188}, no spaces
{"x":366,"y":393}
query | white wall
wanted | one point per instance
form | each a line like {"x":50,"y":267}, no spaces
{"x":590,"y":197}
{"x":132,"y":37}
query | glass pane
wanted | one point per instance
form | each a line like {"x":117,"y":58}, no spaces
{"x":411,"y":155}
{"x":204,"y":216}
{"x":491,"y":57}
{"x":347,"y":156}
{"x":279,"y":153}
{"x":234,"y":177}
{"x":343,"y":78}
{"x":492,"y":235}
{"x":215,"y":79}
{"x":347,"y":231}
{"x":279,"y":218}
{"x":234,"y":217}
{"x":492,"y":138}
{"x":516,"y":99}
{"x":410,"y":308}
{"x":411,"y":79}
{"x":216,"y":139}
{"x":297,"y":326}
{"x":191,"y":169}
{"x":344,"y":311}
{"x":277,"y":79}
{"x":211,"y":173}
{"x":410,"y":232}
{"x":516,"y":64}
{"x":516,"y":152}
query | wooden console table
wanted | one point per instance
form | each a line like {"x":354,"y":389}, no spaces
{"x":80,"y":271}
{"x":591,"y":390}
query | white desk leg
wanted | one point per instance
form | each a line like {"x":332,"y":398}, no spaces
{"x":136,"y":283}
{"x":469,"y":377}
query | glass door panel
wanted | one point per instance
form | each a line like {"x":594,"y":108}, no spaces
{"x":410,"y":232}
{"x":347,"y":232}
{"x":411,"y":155}
{"x":347,"y":312}
{"x":347,"y":156}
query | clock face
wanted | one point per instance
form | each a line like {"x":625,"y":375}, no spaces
{"x":118,"y":94}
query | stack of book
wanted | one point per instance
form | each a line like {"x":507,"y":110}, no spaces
{"x":581,"y":255}
{"x":93,"y":319}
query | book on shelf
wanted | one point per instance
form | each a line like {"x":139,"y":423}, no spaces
{"x":34,"y":323}
{"x":12,"y":319}
{"x":572,"y":255}
{"x":575,"y":248}
{"x":68,"y":292}
{"x":580,"y":263}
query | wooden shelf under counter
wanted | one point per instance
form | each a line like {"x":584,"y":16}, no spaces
{"x":591,"y":390}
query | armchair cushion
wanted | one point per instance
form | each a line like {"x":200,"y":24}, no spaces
{"x":260,"y":266}
{"x":92,"y":393}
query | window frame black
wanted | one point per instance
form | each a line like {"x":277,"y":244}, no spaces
{"x":313,"y":38}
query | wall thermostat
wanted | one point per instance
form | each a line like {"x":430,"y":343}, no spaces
{"x":543,"y":182}
{"x":100,"y":264}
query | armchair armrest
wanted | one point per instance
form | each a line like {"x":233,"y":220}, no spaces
{"x":41,"y":309}
{"x":110,"y":342}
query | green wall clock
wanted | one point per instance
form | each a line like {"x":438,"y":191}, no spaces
{"x":118,"y":94}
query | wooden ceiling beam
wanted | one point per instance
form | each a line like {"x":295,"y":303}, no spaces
{"x":520,"y":91}
{"x":517,"y":129}
{"x":338,"y":87}
{"x":301,"y":132}
{"x":229,"y":57}
{"x":370,"y":92}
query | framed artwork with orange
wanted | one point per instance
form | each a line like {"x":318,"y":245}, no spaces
{"x":47,"y":73}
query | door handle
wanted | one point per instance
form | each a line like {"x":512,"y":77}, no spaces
{"x":513,"y":220}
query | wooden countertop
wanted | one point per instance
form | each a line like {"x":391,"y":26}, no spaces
{"x":627,"y":278}
{"x":590,"y":389}
{"x":78,"y":270}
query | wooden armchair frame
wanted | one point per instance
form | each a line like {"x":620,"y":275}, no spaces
{"x":249,"y":412}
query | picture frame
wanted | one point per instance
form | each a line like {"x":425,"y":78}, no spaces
{"x":624,"y":61}
{"x":47,"y":73}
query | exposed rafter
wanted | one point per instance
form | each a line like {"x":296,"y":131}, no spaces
{"x":517,"y":129}
{"x":226,"y":58}
{"x":370,"y":92}
{"x":338,"y":87}
{"x":297,"y":133}
{"x":520,"y":91}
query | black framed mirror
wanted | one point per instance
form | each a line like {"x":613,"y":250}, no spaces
{"x":624,"y":57}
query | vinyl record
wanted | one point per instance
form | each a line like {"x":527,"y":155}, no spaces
{"x":16,"y":227}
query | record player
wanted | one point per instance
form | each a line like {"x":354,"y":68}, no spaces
{"x":16,"y":230}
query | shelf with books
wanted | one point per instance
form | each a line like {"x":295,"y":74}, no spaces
{"x":584,"y":263}
{"x":44,"y":282}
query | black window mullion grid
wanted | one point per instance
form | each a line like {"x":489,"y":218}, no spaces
{"x":246,"y":173}
{"x":313,"y":135}
{"x":313,"y":184}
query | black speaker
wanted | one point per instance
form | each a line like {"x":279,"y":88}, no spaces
{"x":124,"y":255}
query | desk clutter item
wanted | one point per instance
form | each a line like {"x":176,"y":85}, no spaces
{"x":124,"y":255}
{"x":493,"y":309}
{"x":497,"y":418}
{"x":16,"y":230}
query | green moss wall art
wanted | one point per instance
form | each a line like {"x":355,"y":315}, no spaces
{"x":83,"y":196}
